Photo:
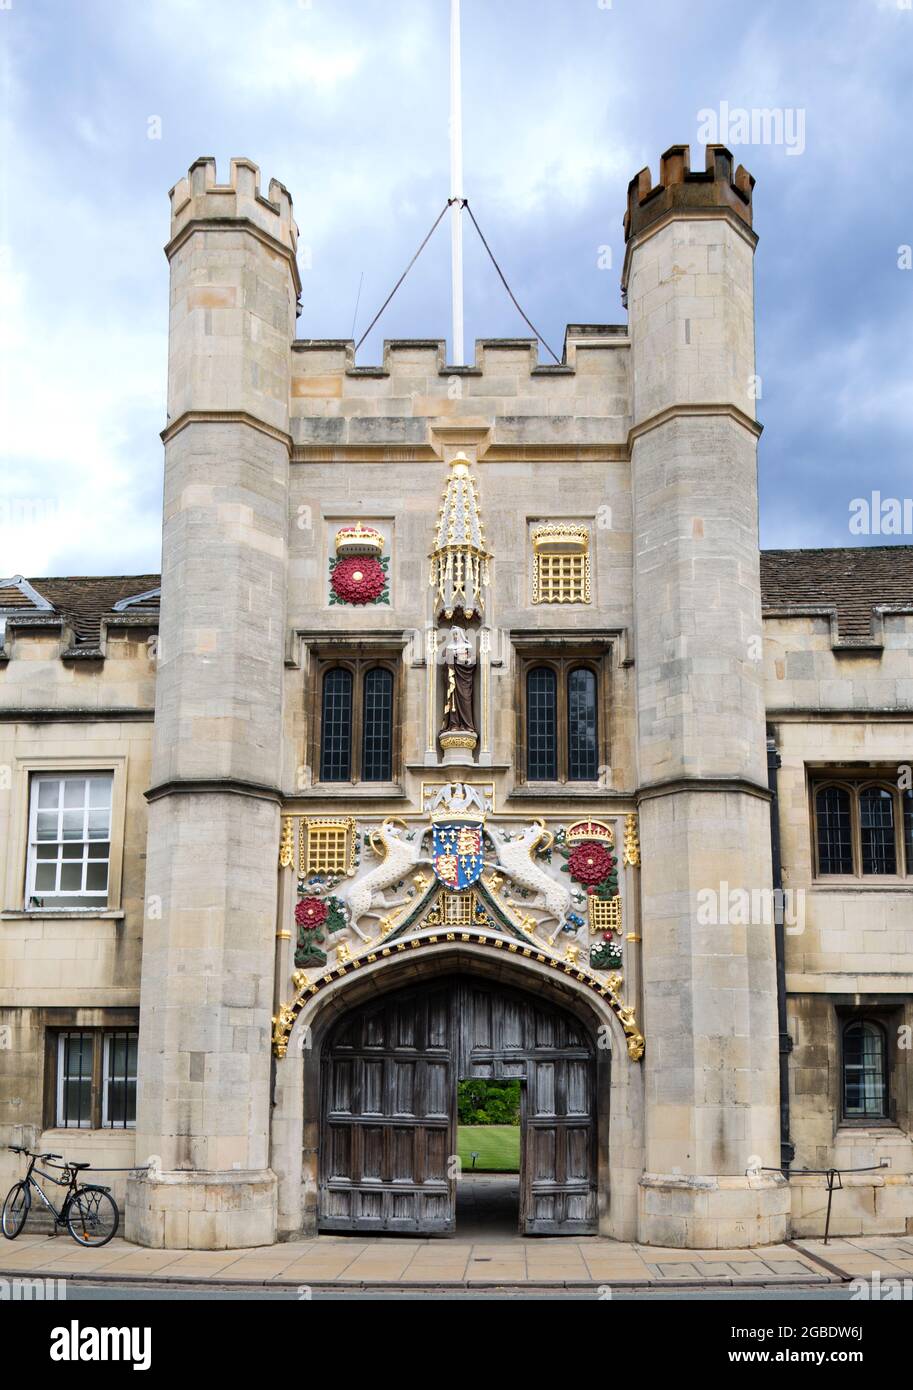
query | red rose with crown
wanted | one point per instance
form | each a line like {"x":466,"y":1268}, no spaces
{"x":590,"y":863}
{"x":358,"y":579}
{"x":311,"y":912}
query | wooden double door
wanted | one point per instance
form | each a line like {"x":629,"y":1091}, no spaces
{"x":388,"y":1135}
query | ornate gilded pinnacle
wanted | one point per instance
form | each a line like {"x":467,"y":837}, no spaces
{"x":459,"y":559}
{"x":632,"y":843}
{"x":287,"y":844}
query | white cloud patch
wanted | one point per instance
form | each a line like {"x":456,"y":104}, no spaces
{"x":345,"y":101}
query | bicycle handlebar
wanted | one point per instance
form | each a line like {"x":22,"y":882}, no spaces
{"x":18,"y":1149}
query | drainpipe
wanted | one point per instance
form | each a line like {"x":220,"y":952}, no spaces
{"x":787,"y":1149}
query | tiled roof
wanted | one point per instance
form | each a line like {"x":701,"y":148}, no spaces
{"x":852,"y":580}
{"x":13,"y":597}
{"x":84,"y":600}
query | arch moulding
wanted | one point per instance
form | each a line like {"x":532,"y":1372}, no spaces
{"x":301,"y":1027}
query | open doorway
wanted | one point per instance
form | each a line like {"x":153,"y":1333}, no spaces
{"x":389,"y":1117}
{"x":489,"y":1144}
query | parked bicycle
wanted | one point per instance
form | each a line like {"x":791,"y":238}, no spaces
{"x":89,"y":1212}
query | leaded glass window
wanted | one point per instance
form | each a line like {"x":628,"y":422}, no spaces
{"x":377,"y":732}
{"x":835,"y":841}
{"x":541,"y":725}
{"x":336,"y":726}
{"x":582,"y":748}
{"x":876,"y":821}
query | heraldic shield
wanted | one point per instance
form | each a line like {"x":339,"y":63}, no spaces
{"x":457,"y":853}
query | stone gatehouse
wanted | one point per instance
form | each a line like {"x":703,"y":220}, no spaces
{"x":465,"y":733}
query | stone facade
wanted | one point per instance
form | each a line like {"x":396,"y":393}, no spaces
{"x":633,"y":463}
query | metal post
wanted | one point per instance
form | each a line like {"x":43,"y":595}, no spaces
{"x":456,"y":185}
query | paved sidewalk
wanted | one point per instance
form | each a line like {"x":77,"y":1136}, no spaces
{"x":859,"y":1257}
{"x":378,"y":1261}
{"x":340,"y":1261}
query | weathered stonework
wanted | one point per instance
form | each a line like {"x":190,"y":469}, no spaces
{"x":209,"y":721}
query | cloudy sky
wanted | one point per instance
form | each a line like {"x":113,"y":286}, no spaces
{"x":345,"y":101}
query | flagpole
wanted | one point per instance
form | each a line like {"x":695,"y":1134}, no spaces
{"x":456,"y":185}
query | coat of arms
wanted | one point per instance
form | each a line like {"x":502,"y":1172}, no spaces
{"x":457,"y":852}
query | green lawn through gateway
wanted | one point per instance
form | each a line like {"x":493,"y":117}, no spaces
{"x":498,"y":1147}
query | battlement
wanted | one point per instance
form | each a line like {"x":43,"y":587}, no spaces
{"x":686,"y":190}
{"x":508,"y":396}
{"x":491,"y":355}
{"x":198,"y":197}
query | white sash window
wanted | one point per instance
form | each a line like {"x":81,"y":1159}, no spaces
{"x":69,"y":840}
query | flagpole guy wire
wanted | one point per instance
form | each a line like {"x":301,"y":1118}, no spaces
{"x":434,"y":226}
{"x":503,"y":279}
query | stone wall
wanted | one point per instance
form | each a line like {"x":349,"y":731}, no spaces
{"x":69,"y":968}
{"x":848,"y":945}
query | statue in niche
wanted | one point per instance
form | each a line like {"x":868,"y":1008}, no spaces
{"x":459,"y":656}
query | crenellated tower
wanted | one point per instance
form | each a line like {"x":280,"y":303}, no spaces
{"x":711,"y":1097}
{"x":209,"y":932}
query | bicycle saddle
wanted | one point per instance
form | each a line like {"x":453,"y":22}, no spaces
{"x":79,"y":1165}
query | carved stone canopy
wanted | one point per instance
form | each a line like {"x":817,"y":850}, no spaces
{"x":459,"y":558}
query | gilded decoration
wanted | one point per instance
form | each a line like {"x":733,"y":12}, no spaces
{"x":561,"y":563}
{"x":632,"y":842}
{"x":327,"y":845}
{"x":606,"y":988}
{"x":459,"y":557}
{"x":370,"y":888}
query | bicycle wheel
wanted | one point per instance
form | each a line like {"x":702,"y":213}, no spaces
{"x":92,"y":1216}
{"x":15,"y":1210}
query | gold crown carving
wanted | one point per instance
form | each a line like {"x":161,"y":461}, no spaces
{"x":359,"y":540}
{"x":590,"y":830}
{"x":561,"y":535}
{"x":443,"y":817}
